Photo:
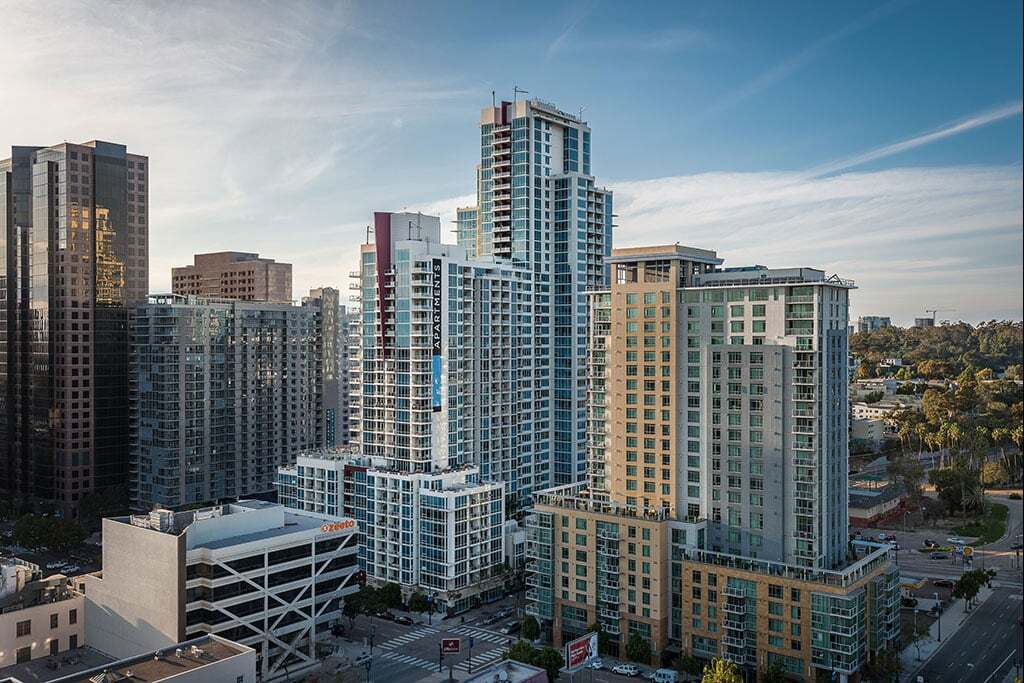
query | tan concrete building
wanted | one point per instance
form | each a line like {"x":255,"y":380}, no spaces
{"x":234,"y":275}
{"x":253,"y":572}
{"x":38,"y":617}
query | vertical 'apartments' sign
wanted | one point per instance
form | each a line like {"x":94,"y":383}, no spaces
{"x":435,"y":327}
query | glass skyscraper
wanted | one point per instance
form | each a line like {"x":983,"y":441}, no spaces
{"x":73,"y":259}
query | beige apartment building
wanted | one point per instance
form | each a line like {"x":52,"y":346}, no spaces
{"x":717,"y":455}
{"x":234,"y":275}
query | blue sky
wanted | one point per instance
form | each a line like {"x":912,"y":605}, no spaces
{"x":879,"y":140}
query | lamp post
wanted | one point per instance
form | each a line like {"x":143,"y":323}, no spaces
{"x":938,"y":613}
{"x":368,"y":664}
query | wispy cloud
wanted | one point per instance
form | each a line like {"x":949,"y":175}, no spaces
{"x":579,"y":13}
{"x":655,"y":41}
{"x":948,"y":130}
{"x":789,"y":66}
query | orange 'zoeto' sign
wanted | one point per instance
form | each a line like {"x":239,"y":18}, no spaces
{"x":338,"y":526}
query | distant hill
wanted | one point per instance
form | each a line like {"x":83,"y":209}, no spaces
{"x":995,"y":344}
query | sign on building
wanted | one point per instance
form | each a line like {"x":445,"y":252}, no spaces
{"x":580,"y":651}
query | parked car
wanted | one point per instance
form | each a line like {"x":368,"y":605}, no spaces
{"x":630,"y":670}
{"x":666,"y":676}
{"x":511,"y":628}
{"x":386,"y":615}
{"x":1017,"y":546}
{"x":886,"y":537}
{"x":908,"y":602}
{"x":927,"y":543}
{"x":504,"y":612}
{"x":956,"y":540}
{"x":361,"y":660}
{"x":942,"y":583}
{"x":404,"y":620}
{"x":596,"y":664}
{"x":939,"y":556}
{"x":54,"y":565}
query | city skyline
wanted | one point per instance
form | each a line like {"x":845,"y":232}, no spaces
{"x":717,"y":127}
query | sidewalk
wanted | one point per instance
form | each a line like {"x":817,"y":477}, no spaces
{"x":951,"y":620}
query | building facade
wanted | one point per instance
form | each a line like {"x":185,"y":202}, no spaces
{"x":443,"y":382}
{"x":224,"y":392}
{"x":870,"y":323}
{"x":73,"y":259}
{"x":234,"y":275}
{"x":39,"y":617}
{"x":252,"y":572}
{"x":718,"y":436}
{"x":539,"y":207}
{"x":442,"y":533}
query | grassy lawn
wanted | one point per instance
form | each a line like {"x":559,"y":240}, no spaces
{"x":989,"y":527}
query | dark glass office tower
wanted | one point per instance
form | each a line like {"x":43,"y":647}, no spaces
{"x":73,"y":259}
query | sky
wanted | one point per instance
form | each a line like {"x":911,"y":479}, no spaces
{"x":878,"y":140}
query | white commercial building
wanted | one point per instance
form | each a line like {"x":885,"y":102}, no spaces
{"x":38,"y":617}
{"x":253,"y":572}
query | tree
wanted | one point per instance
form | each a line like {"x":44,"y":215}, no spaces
{"x":390,"y":595}
{"x":418,"y":603}
{"x":34,"y":532}
{"x":873,"y":396}
{"x":688,"y":664}
{"x":721,"y":671}
{"x":883,"y":666}
{"x":638,"y":649}
{"x":985,"y":374}
{"x":603,"y":639}
{"x":865,"y":371}
{"x":521,"y":651}
{"x":547,"y":658}
{"x":970,"y":583}
{"x":531,"y":629}
{"x":352,"y":608}
{"x":1015,"y":372}
{"x":956,"y":488}
{"x":908,"y":471}
{"x":774,"y":673}
{"x":551,"y":660}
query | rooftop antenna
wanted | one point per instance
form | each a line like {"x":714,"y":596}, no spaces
{"x":494,"y":102}
{"x":515,"y":93}
{"x":581,"y":113}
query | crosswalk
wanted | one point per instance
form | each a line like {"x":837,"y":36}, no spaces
{"x":410,"y":660}
{"x":406,"y":638}
{"x":481,"y":660}
{"x":481,"y":634}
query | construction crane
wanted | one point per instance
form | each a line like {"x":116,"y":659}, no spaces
{"x":935,"y":311}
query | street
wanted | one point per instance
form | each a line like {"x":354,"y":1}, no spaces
{"x":987,"y":647}
{"x":402,"y":654}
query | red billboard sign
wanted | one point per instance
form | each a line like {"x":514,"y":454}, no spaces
{"x":450,"y":646}
{"x":580,"y":651}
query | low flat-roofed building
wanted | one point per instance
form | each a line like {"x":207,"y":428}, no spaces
{"x":254,"y":572}
{"x":509,"y":671}
{"x":38,"y":617}
{"x":871,"y":501}
{"x":207,"y":659}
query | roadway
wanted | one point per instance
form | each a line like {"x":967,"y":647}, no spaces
{"x":986,"y":648}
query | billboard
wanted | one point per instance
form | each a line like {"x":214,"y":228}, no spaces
{"x":450,"y":646}
{"x":436,"y":323}
{"x":580,"y":651}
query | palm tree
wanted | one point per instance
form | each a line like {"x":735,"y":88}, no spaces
{"x":922,"y":437}
{"x":721,"y":671}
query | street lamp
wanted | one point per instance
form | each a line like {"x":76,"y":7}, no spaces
{"x":368,"y":663}
{"x":938,"y":613}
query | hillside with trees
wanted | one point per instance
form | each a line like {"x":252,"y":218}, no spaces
{"x":944,"y":351}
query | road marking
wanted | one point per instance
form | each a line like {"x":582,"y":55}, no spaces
{"x":999,"y":667}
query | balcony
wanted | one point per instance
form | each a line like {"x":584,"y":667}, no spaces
{"x":735,"y":608}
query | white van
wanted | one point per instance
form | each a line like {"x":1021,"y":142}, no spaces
{"x":666,"y":676}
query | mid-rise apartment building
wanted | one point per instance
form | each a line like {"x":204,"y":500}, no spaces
{"x":539,"y":207}
{"x":73,"y":259}
{"x":718,"y":436}
{"x":224,"y":392}
{"x":870,"y":323}
{"x":253,"y":572}
{"x":443,"y":533}
{"x":234,"y":275}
